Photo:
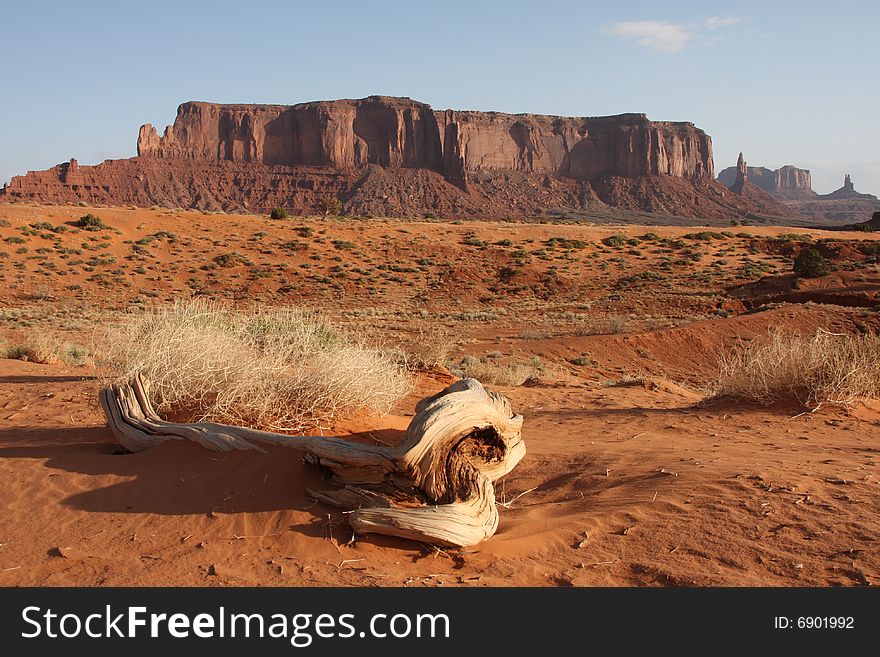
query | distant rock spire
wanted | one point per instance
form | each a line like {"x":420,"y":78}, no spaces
{"x":742,"y":175}
{"x":847,"y":183}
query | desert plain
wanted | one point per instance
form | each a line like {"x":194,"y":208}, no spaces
{"x":608,"y":339}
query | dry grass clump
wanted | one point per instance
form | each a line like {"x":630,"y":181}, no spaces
{"x":284,"y":369}
{"x":431,"y":348}
{"x":48,"y":349}
{"x":488,"y":370}
{"x":827,"y":367}
{"x":608,"y":326}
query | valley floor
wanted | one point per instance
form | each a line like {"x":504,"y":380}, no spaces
{"x":614,"y":333}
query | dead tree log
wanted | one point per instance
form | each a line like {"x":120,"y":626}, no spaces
{"x":436,"y":486}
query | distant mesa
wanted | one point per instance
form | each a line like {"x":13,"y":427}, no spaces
{"x":398,"y":157}
{"x":793,"y":187}
{"x":749,"y":184}
{"x":785,"y":183}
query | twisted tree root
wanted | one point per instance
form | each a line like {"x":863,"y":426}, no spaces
{"x":435,"y":487}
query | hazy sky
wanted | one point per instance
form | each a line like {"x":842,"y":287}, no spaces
{"x":784,"y":82}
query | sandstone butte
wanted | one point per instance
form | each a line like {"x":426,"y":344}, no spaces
{"x":383,"y":156}
{"x":793,"y":187}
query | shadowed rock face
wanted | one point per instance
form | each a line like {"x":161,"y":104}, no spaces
{"x":399,"y":132}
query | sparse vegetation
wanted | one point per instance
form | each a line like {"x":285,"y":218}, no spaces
{"x":91,"y":222}
{"x":615,"y":241}
{"x":811,"y":264}
{"x":47,"y":349}
{"x":278,"y":213}
{"x":826,"y":367}
{"x":231,"y":259}
{"x":489,"y":371}
{"x":330,"y":206}
{"x":430,"y":349}
{"x":283,"y":369}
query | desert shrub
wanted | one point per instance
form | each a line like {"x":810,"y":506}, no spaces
{"x":825,"y":367}
{"x":870,"y":248}
{"x":330,"y":206}
{"x":47,"y":349}
{"x":642,"y":277}
{"x":811,"y":264}
{"x":608,"y":326}
{"x":615,"y":240}
{"x":430,"y":349}
{"x":794,"y":237}
{"x":278,"y":213}
{"x":304,"y":231}
{"x":566,"y":243}
{"x":231,"y":259}
{"x":91,"y":222}
{"x":705,"y":236}
{"x":864,"y":228}
{"x":488,"y":370}
{"x":294,"y":245}
{"x":282,"y":369}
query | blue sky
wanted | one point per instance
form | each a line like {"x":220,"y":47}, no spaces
{"x":784,"y":82}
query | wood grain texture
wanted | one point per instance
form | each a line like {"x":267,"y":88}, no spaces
{"x":435,"y":486}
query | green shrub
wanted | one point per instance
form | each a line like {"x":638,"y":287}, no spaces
{"x":294,"y":245}
{"x":231,"y":259}
{"x":615,"y":240}
{"x":811,"y":264}
{"x":91,"y":222}
{"x":705,"y":236}
{"x":278,"y":213}
{"x":566,"y":243}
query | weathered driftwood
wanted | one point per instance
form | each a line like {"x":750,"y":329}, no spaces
{"x":436,"y":486}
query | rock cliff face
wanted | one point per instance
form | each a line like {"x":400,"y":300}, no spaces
{"x":344,"y":133}
{"x":399,"y":132}
{"x":381,"y":155}
{"x":785,"y":183}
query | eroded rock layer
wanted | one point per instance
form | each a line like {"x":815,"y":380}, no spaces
{"x":381,"y":155}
